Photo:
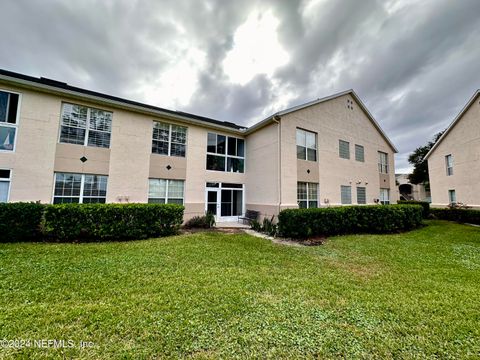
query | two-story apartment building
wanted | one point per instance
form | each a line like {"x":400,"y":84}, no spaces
{"x":61,"y":144}
{"x":454,"y":160}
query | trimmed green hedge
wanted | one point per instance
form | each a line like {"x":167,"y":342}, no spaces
{"x":100,"y":222}
{"x":20,"y":221}
{"x":424,"y":204}
{"x":469,"y":216}
{"x":304,"y":223}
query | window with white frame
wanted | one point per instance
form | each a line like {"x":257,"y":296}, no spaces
{"x":361,"y":195}
{"x":82,"y":125}
{"x":307,"y":195}
{"x":169,"y":139}
{"x":449,"y":164}
{"x":306,"y":145}
{"x":383,"y":162}
{"x":225,"y":153}
{"x":5,"y":177}
{"x":80,"y":188}
{"x":384,"y":196}
{"x":359,"y":153}
{"x":8,"y":120}
{"x":344,"y":149}
{"x":346,"y":194}
{"x":452,"y":197}
{"x":163,"y":191}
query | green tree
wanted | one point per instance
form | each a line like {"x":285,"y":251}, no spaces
{"x":420,"y":166}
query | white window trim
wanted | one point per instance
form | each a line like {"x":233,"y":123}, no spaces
{"x":351,"y":197}
{"x":307,"y":147}
{"x":166,"y":190}
{"x":87,"y":127}
{"x":356,"y":190}
{"x":449,"y":169}
{"x":384,"y":202}
{"x":363,"y":152}
{"x":339,"y":148}
{"x":450,"y":191}
{"x":308,"y":199}
{"x":226,"y":156}
{"x":82,"y":186}
{"x":383,"y":168}
{"x":9,"y":180}
{"x":17,"y":121}
{"x":170,"y":142}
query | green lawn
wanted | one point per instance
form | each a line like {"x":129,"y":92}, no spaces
{"x":211,"y":295}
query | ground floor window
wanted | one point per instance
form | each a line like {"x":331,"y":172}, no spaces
{"x":80,"y":188}
{"x":361,"y":195}
{"x":307,"y":195}
{"x":4,"y":185}
{"x":385,"y":196}
{"x":163,"y":191}
{"x":452,"y":197}
{"x":346,"y":194}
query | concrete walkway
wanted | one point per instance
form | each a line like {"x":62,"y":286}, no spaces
{"x":231,"y":225}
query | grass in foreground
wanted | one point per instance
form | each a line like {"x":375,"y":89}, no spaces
{"x":211,"y":295}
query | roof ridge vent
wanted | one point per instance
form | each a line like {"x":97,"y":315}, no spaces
{"x":48,"y":81}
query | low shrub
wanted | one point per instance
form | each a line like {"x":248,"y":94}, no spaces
{"x":424,"y":204}
{"x":100,"y":222}
{"x":201,"y":222}
{"x":469,"y":216}
{"x":20,"y":221}
{"x":267,"y":226}
{"x":304,"y":223}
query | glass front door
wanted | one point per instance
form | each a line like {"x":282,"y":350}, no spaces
{"x":225,"y":201}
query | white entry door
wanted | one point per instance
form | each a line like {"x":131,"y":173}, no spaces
{"x":225,"y":201}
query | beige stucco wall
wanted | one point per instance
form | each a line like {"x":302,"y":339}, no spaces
{"x":463,"y":143}
{"x":333,"y":121}
{"x":262,"y":182}
{"x":33,"y":160}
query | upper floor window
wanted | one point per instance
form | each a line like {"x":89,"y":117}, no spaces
{"x":346,"y":194}
{"x":359,"y":153}
{"x":80,"y":188}
{"x":383,"y":162}
{"x":169,"y":139}
{"x":225,"y":153}
{"x":449,"y":164}
{"x":344,"y":149}
{"x":384,"y":196}
{"x":86,"y":126}
{"x":8,"y":120}
{"x":307,"y":195}
{"x":162,"y":191}
{"x":306,"y":145}
{"x":5,"y":176}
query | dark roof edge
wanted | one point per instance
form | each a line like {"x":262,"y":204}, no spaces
{"x":64,"y":86}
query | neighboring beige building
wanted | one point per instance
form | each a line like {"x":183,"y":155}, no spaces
{"x":60,"y":144}
{"x":408,"y":191}
{"x":454,"y":161}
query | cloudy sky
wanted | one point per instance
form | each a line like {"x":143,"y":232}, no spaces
{"x":414,"y":63}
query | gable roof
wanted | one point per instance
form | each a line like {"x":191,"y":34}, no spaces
{"x":318,"y":101}
{"x":56,"y":87}
{"x":453,"y":123}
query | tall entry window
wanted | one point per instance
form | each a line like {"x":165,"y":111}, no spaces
{"x":8,"y":120}
{"x":225,"y":153}
{"x":306,"y":145}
